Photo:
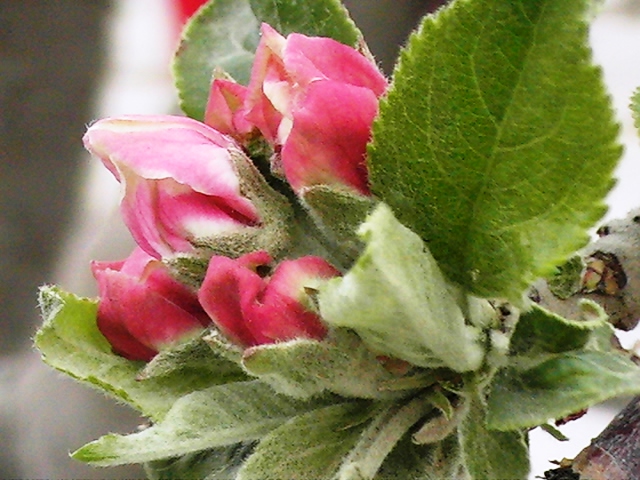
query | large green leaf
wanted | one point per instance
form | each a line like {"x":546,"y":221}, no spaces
{"x":496,"y":142}
{"x":215,"y":417}
{"x":224,"y":35}
{"x":397,"y":300}
{"x":70,"y":341}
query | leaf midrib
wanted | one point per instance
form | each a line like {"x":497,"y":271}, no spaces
{"x":500,"y":127}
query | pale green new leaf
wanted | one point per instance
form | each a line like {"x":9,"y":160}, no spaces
{"x":490,"y":454}
{"x":70,"y":341}
{"x":496,"y":142}
{"x":438,"y":461}
{"x":215,"y":417}
{"x":216,"y":464}
{"x":310,"y":446}
{"x":303,"y":368}
{"x":397,"y":300}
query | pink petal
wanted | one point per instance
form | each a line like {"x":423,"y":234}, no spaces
{"x":267,"y":68}
{"x":141,"y":212}
{"x":316,"y":58}
{"x":229,"y":286}
{"x":192,"y":215}
{"x":224,"y":108}
{"x":157,"y":147}
{"x":178,"y":178}
{"x":142,"y":309}
{"x":283,"y":311}
{"x":291,"y":278}
{"x":327,"y":143}
{"x":280,"y":318}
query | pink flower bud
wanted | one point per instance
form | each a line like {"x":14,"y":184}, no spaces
{"x":251,"y":309}
{"x":142,"y":309}
{"x":178,"y":179}
{"x":225,"y":109}
{"x":317,"y":99}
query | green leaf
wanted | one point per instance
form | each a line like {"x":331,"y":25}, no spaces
{"x":409,"y":461}
{"x":554,"y":432}
{"x":216,"y":464}
{"x":559,"y":386}
{"x":320,"y":18}
{"x":489,"y":454}
{"x":397,"y":300}
{"x":302,"y":368}
{"x":567,"y":279}
{"x":195,"y":359}
{"x":223,"y":35}
{"x":558,"y":367}
{"x":496,"y":142}
{"x":309,"y":446}
{"x":70,"y":341}
{"x":541,"y":332}
{"x":338,"y":213}
{"x":215,"y":417}
{"x":380,"y":437}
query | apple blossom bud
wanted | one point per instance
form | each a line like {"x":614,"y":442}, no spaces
{"x":316,"y":99}
{"x":224,"y":109}
{"x":142,"y":309}
{"x":251,"y":309}
{"x":178,"y":177}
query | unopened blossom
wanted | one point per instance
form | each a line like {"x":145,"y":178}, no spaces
{"x":142,"y":309}
{"x":252,"y":306}
{"x":225,"y":109}
{"x":178,"y":179}
{"x":314,"y":99}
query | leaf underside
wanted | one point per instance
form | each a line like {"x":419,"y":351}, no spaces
{"x":558,"y":367}
{"x":564,"y":384}
{"x":215,"y":417}
{"x":69,"y":341}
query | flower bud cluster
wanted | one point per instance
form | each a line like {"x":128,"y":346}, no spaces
{"x":191,"y":189}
